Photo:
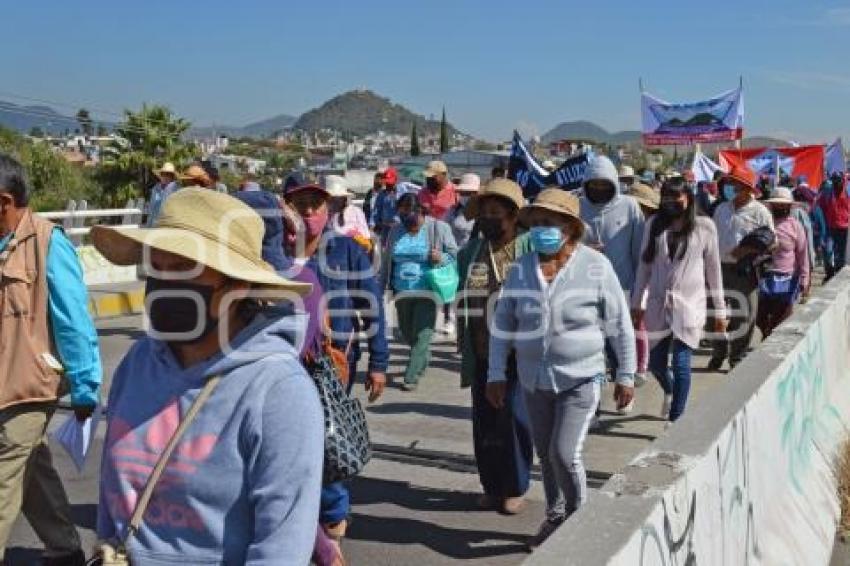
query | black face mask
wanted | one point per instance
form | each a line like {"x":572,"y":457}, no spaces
{"x":672,"y":208}
{"x":431,"y":184}
{"x":491,"y":228}
{"x":600,"y":196}
{"x":780,"y":213}
{"x":176,"y":311}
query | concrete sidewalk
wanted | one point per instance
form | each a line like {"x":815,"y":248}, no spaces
{"x":415,"y":502}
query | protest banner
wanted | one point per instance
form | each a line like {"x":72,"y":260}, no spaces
{"x":718,"y":119}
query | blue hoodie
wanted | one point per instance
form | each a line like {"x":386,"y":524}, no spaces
{"x":243,"y":485}
{"x":618,"y":223}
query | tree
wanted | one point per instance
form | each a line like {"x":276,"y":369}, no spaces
{"x":414,"y":142}
{"x":52,"y":179}
{"x":444,"y":133}
{"x":85,"y":121}
{"x":146,"y":139}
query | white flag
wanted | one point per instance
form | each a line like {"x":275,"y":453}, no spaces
{"x":835,"y":162}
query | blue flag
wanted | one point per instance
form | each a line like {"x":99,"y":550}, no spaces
{"x":533,"y":178}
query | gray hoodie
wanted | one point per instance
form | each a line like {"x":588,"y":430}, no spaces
{"x":616,"y":224}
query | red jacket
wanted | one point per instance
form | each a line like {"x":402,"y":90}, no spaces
{"x":836,"y":209}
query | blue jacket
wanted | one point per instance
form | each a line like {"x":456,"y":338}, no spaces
{"x":343,"y":266}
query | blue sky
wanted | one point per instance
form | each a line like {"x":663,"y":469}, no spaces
{"x":496,"y":65}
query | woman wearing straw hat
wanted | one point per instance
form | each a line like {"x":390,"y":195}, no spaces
{"x":243,"y":482}
{"x":501,"y":436}
{"x":679,"y":260}
{"x":788,"y":275}
{"x":557,"y":310}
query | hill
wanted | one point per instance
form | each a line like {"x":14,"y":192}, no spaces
{"x":584,"y":130}
{"x":25,"y":118}
{"x":588,"y":131}
{"x":362,"y":112}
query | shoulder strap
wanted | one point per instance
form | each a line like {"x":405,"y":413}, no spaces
{"x":433,"y":231}
{"x":142,"y":504}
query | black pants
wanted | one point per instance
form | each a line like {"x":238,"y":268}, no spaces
{"x":839,"y":239}
{"x":744,"y":299}
{"x":502,"y":437}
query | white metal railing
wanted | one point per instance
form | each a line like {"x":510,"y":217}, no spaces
{"x":73,"y":218}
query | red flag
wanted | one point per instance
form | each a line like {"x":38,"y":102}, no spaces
{"x":804,"y":161}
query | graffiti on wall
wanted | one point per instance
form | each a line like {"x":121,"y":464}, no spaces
{"x":808,"y":417}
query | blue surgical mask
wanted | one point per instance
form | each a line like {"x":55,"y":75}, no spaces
{"x":547,"y":240}
{"x":729,"y":191}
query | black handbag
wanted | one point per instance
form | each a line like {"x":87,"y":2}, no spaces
{"x":347,"y":446}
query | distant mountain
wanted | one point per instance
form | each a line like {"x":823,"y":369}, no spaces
{"x":362,"y":112}
{"x":588,"y":131}
{"x":25,"y":118}
{"x":269,"y":127}
{"x":262,"y":129}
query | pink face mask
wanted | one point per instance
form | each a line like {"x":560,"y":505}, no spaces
{"x":315,"y":223}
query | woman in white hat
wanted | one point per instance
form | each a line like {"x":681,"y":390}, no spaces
{"x":346,"y":219}
{"x":243,"y":482}
{"x":788,"y":274}
{"x":556,"y":311}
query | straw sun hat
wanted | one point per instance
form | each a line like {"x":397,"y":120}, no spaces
{"x":504,"y":189}
{"x":211,"y":228}
{"x":645,"y":195}
{"x":555,"y":199}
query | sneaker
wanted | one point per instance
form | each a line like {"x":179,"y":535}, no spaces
{"x":640,"y":379}
{"x":409,"y":387}
{"x":449,"y":327}
{"x":714,"y":364}
{"x":595,"y":423}
{"x":545,"y":531}
{"x":627,"y":409}
{"x":513,"y":505}
{"x":665,"y":406}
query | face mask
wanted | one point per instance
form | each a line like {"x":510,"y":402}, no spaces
{"x":780,"y":213}
{"x":672,"y":208}
{"x":432,"y":184}
{"x":177,"y":311}
{"x":599,"y":196}
{"x":316,"y":223}
{"x":729,"y":192}
{"x":547,"y":240}
{"x":491,"y":228}
{"x":410,"y":221}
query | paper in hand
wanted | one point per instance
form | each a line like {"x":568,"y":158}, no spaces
{"x":76,"y":437}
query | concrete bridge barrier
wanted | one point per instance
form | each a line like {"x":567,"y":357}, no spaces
{"x":746,"y":476}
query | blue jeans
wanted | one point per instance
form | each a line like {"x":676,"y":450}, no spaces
{"x":673,"y":376}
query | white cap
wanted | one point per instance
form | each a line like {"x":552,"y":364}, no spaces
{"x":626,"y":171}
{"x":336,"y":187}
{"x":781,"y":195}
{"x":469,"y":183}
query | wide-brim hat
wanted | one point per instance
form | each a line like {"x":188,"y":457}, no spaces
{"x":167,"y":168}
{"x":469,"y":183}
{"x":195,"y":173}
{"x":435,"y":168}
{"x":781,"y":195}
{"x":336,"y":186}
{"x":645,"y":195}
{"x":497,"y":188}
{"x":208,"y":227}
{"x":743,"y":175}
{"x":555,"y":199}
